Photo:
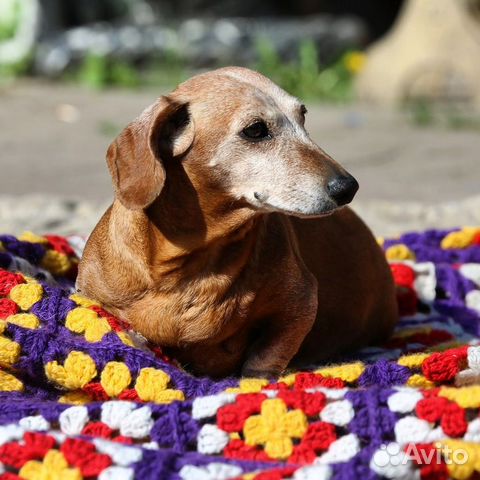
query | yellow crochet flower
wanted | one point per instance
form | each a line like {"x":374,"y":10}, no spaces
{"x":9,"y":352}
{"x":151,"y":386}
{"x":466,"y":397}
{"x":249,"y":385}
{"x":25,"y":320}
{"x":77,"y":397}
{"x":275,"y":427}
{"x":419,"y":381}
{"x":86,"y":321}
{"x":82,"y":301}
{"x":462,"y":458}
{"x":399,"y":252}
{"x":460,"y":239}
{"x":9,"y":383}
{"x":53,"y":467}
{"x":115,"y":378}
{"x":32,"y":238}
{"x":77,"y":370}
{"x":26,"y":294}
{"x":413,"y":360}
{"x":288,"y":379}
{"x":126,"y":339}
{"x":349,"y":372}
{"x":29,"y":279}
{"x":55,"y":262}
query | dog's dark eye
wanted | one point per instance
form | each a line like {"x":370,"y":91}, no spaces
{"x":256,"y":131}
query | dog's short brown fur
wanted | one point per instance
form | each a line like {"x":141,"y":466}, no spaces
{"x":208,"y":250}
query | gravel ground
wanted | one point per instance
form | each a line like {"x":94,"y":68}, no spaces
{"x":53,"y":140}
{"x":48,"y":214}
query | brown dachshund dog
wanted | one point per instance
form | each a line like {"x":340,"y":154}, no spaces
{"x":226,"y":244}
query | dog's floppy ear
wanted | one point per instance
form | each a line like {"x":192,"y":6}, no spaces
{"x":135,"y":158}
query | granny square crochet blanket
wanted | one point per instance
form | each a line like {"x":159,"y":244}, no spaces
{"x":82,"y":397}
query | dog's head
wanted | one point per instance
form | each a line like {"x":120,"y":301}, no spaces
{"x":235,"y":135}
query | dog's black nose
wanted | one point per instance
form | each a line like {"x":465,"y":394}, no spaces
{"x":342,"y":189}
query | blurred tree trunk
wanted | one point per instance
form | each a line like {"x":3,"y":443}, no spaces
{"x":431,"y":53}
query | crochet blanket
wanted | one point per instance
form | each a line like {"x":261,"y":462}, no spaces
{"x":83,"y":397}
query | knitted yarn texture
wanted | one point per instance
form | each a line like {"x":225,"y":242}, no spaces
{"x":83,"y":397}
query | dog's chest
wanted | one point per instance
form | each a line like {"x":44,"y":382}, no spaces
{"x":212,"y":308}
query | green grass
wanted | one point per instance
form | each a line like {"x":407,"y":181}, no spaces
{"x":168,"y":70}
{"x":305,"y":77}
{"x":99,"y":71}
{"x":426,"y":113}
{"x":9,"y":22}
{"x":10,"y":15}
{"x":11,"y":71}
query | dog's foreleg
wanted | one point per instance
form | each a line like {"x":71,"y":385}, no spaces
{"x":270,"y":354}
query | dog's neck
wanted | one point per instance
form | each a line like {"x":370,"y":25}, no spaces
{"x":174,"y":246}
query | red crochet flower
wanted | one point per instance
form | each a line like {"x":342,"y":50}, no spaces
{"x":9,"y":476}
{"x":60,"y":244}
{"x":83,"y":455}
{"x":302,"y":455}
{"x":98,"y":429}
{"x":130,"y":394}
{"x":123,"y":439}
{"x":312,"y":380}
{"x":451,"y":416}
{"x":443,"y":367}
{"x":310,"y":403}
{"x":318,"y":438}
{"x":426,"y":456}
{"x":7,"y":308}
{"x":36,"y":445}
{"x":239,"y":450}
{"x":403,"y":275}
{"x":96,"y":392}
{"x":431,"y":409}
{"x":116,"y":324}
{"x":454,"y":421}
{"x":231,"y":418}
{"x":434,"y":471}
{"x":102,"y":430}
{"x":476,"y":239}
{"x":277,"y":386}
{"x":8,"y":280}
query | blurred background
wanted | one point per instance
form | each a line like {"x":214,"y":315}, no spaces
{"x":392,"y":89}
